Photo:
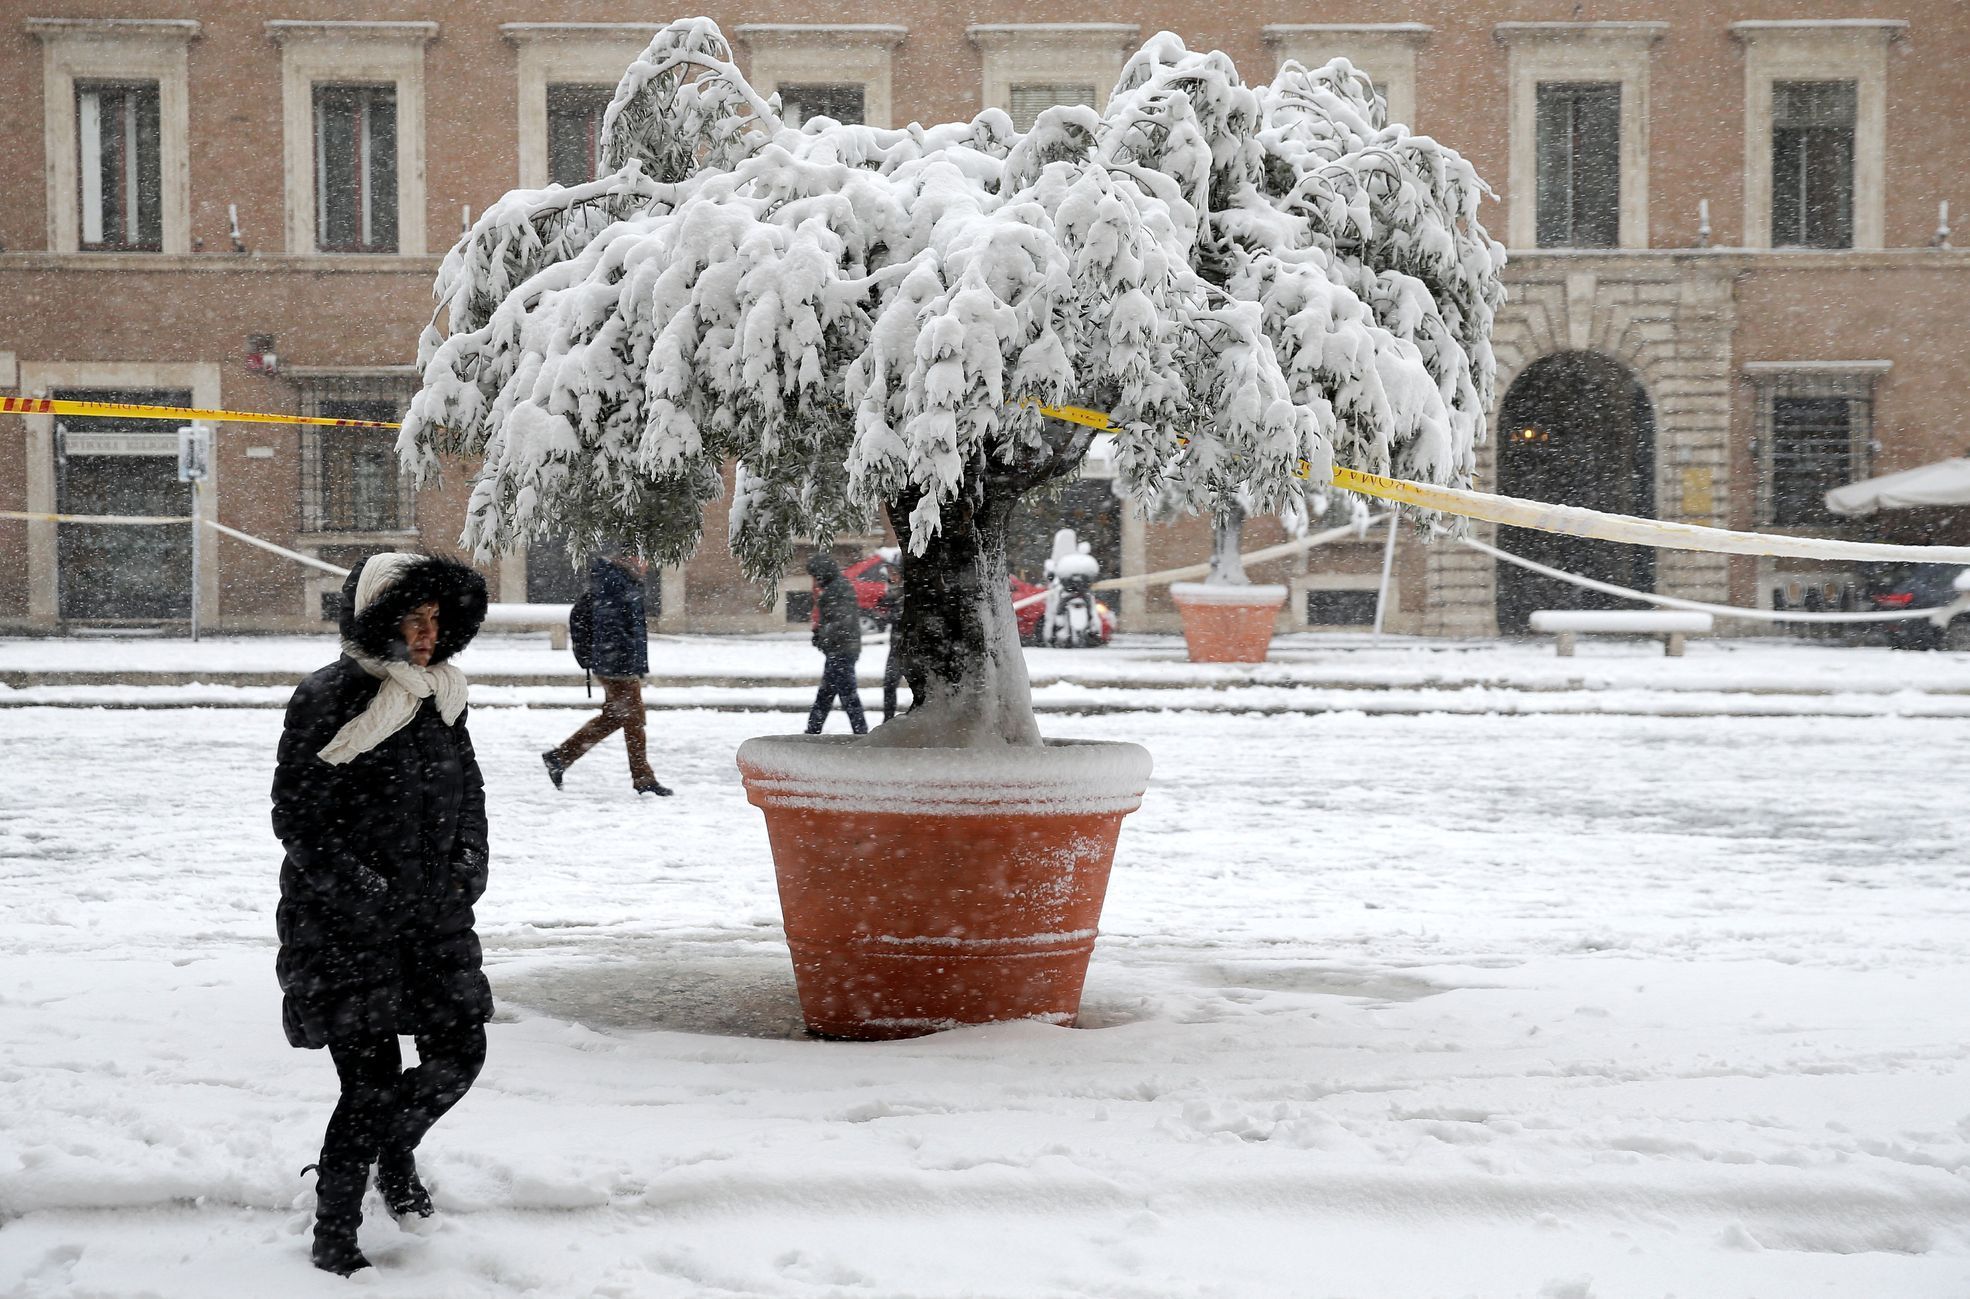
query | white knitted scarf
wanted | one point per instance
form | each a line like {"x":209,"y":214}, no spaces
{"x":405,"y":685}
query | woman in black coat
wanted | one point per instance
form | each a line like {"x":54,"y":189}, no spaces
{"x":379,"y":804}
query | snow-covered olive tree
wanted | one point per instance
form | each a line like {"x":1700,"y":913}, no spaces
{"x":865,"y":323}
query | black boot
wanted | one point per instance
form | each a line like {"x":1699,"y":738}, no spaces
{"x":338,"y":1212}
{"x":403,"y":1195}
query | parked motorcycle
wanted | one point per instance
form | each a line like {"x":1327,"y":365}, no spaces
{"x":1073,"y":618}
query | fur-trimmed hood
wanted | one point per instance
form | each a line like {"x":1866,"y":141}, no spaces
{"x":458,"y":590}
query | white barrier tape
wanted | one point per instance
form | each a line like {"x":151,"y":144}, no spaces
{"x":122,"y":520}
{"x":1263,"y":555}
{"x":1938,"y":614}
{"x":1576,"y":521}
{"x":282,"y":551}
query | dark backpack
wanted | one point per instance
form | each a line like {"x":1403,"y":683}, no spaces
{"x":581,"y":628}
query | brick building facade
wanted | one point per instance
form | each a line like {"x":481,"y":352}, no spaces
{"x":1730,"y":286}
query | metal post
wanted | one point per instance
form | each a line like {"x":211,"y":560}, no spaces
{"x":198,"y":494}
{"x":1388,"y":567}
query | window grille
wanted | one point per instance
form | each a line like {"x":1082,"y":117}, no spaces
{"x":119,"y":170}
{"x":1813,"y":164}
{"x":1029,"y":100}
{"x":1579,"y":160}
{"x":574,"y":132}
{"x":1341,"y":607}
{"x":844,"y":103}
{"x":1816,"y":433}
{"x":350,"y":479}
{"x":356,"y":169}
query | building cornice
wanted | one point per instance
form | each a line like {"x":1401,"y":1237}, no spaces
{"x":284,"y":30}
{"x":887,"y":34}
{"x":1001,"y":35}
{"x":1580,"y":33}
{"x":1886,"y":30}
{"x":1407,"y":33}
{"x":523,"y":33}
{"x":154,"y":29}
{"x":1779,"y":369}
{"x":223,"y":263}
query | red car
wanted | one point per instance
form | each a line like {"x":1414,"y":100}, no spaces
{"x":871,"y":577}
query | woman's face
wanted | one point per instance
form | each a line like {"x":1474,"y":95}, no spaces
{"x":420,"y":632}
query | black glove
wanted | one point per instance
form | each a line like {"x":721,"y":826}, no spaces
{"x":468,"y":875}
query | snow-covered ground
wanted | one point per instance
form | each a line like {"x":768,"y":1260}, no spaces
{"x":1387,"y":1007}
{"x":1308,"y":673}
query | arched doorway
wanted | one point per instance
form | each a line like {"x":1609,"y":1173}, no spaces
{"x":1576,"y":428}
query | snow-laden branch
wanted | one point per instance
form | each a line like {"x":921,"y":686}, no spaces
{"x":1249,"y":278}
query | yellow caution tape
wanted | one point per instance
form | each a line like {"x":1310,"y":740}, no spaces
{"x":128,"y":410}
{"x":1570,"y":520}
{"x":1094,"y":419}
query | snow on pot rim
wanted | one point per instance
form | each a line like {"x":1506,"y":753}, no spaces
{"x":1225,"y":593}
{"x":1059,"y":778}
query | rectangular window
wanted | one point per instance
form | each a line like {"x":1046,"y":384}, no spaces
{"x":350,"y":480}
{"x":1340,"y":608}
{"x":1816,"y":436}
{"x":1030,"y":100}
{"x":119,"y":168}
{"x":574,"y":132}
{"x":1579,"y":161}
{"x":1813,"y":164}
{"x":356,"y":169}
{"x":841,"y":102}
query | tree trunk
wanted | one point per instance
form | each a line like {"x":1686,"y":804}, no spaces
{"x":1227,"y":534}
{"x":958,"y":635}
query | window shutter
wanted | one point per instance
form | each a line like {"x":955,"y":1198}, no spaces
{"x":1029,"y":101}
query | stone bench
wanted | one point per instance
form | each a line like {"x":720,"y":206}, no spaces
{"x":1670,"y":624}
{"x":550,"y":618}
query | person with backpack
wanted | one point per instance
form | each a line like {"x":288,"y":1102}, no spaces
{"x":610,"y":634}
{"x":838,"y":635}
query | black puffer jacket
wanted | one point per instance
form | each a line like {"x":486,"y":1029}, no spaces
{"x":387,"y":853}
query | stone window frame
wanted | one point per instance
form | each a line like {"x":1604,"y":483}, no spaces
{"x":351,"y":53}
{"x":565,"y":54}
{"x":126,"y":50}
{"x":1856,"y":381}
{"x":839,"y":54}
{"x":1057,"y":53}
{"x":1841,"y":49}
{"x":1385,"y":51}
{"x":41,"y":378}
{"x":1607,"y":52}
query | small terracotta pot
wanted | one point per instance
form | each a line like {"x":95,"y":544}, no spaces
{"x":927,"y":888}
{"x":1227,"y":624}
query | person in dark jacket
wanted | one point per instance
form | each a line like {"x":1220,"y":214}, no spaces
{"x":891,"y":606}
{"x":378,"y":801}
{"x":838,"y":635}
{"x":619,"y":658}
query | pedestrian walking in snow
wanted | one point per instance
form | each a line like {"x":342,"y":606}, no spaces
{"x":377,"y":800}
{"x":619,"y":656}
{"x":838,"y":635}
{"x":891,"y":605}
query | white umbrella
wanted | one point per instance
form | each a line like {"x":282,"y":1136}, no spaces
{"x":1947,"y":482}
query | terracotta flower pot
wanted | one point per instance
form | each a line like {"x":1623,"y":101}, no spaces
{"x":928,"y":888}
{"x":1227,"y":624}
